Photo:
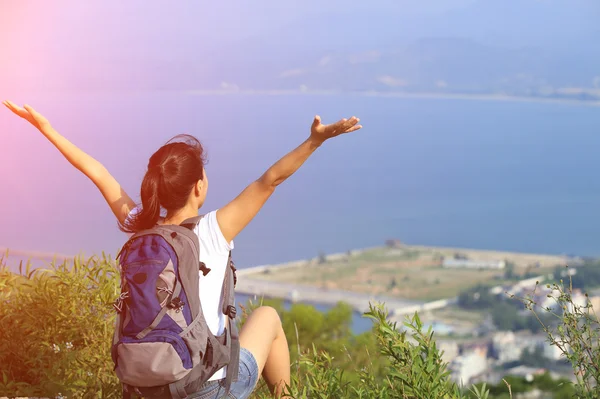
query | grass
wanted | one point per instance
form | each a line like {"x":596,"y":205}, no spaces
{"x":436,"y":282}
{"x":455,"y":313}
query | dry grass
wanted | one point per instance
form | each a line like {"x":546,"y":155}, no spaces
{"x":408,"y":272}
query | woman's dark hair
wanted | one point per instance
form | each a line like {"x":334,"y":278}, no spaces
{"x":172,"y":172}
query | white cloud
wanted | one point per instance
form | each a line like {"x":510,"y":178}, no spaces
{"x":229,"y":86}
{"x":441,"y":84}
{"x":570,"y":90}
{"x":392,"y":82}
{"x":325,"y":60}
{"x":546,"y":90}
{"x":368,"y":56}
{"x":579,"y":90}
{"x":303,"y":88}
{"x":292,"y":72}
{"x":597,"y":82}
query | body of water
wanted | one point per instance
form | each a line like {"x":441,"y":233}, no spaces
{"x":517,"y":176}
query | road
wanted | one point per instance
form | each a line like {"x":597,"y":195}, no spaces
{"x":316,"y":295}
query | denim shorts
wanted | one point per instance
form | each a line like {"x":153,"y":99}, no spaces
{"x":240,"y":389}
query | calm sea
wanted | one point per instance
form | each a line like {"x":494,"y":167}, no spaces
{"x":512,"y":176}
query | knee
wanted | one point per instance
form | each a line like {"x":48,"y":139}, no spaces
{"x":268,"y":314}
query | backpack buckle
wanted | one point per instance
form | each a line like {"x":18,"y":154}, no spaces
{"x":231,"y":311}
{"x":233,"y":269}
{"x":118,"y":304}
{"x":176,"y":303}
{"x":205,"y":270}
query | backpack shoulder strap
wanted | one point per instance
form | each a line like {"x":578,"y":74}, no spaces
{"x":229,"y":309}
{"x":191,"y":223}
{"x":228,"y":292}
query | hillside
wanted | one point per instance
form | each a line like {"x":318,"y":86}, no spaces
{"x":410,"y":272}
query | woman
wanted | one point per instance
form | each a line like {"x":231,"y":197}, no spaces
{"x":176,"y":181}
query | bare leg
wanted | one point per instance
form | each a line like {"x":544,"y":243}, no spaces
{"x":263,"y":336}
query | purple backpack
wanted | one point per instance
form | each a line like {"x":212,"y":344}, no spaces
{"x":162,"y":346}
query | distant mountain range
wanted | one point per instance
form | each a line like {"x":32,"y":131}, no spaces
{"x":530,"y":48}
{"x":431,"y":65}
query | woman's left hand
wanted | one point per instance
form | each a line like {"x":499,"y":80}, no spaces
{"x":320,"y":132}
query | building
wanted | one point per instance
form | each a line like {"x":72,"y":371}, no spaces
{"x":506,"y":348}
{"x":466,"y":367}
{"x":394,"y":243}
{"x":595,"y":302}
{"x":449,"y":349}
{"x":473,"y":264}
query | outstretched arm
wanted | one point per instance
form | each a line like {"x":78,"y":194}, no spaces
{"x":236,"y":215}
{"x":118,"y":200}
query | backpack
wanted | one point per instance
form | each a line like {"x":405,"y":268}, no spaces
{"x":162,"y":346}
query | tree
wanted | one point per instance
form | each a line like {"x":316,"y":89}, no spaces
{"x":393,"y":284}
{"x":478,"y":297}
{"x":322,"y":257}
{"x":509,"y":271}
{"x":534,"y":358}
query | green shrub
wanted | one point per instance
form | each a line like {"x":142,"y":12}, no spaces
{"x":575,"y":331}
{"x":57,"y":330}
{"x":58,"y":325}
{"x":414,"y":368}
{"x":61,"y":324}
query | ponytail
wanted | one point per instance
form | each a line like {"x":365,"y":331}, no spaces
{"x":150,"y":213}
{"x":173,"y":171}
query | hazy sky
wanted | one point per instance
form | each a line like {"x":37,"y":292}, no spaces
{"x":67,"y":44}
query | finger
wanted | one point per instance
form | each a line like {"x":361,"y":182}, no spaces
{"x":316,"y":121}
{"x":32,"y":111}
{"x":12,"y":105}
{"x":14,"y":108}
{"x":22,"y":112}
{"x":338,"y":125}
{"x":351,"y":122}
{"x":353,"y":128}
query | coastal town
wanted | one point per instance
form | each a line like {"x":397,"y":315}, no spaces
{"x":475,"y":295}
{"x":472,"y":300}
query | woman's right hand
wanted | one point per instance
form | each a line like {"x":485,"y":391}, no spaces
{"x":29,"y":114}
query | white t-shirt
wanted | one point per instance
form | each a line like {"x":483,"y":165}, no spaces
{"x":214,"y":252}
